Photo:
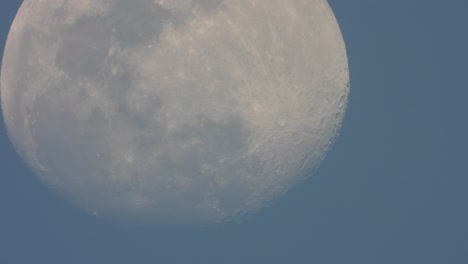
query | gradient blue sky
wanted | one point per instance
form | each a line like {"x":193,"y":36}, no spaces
{"x":392,"y":190}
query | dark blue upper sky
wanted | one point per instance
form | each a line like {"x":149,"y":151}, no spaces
{"x":392,"y":190}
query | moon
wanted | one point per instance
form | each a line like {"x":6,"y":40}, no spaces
{"x":173,"y":112}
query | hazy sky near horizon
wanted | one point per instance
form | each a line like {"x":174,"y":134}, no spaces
{"x":392,"y":190}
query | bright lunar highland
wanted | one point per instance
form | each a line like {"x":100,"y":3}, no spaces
{"x":173,"y":111}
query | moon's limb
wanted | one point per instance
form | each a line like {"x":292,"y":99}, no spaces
{"x":173,"y":111}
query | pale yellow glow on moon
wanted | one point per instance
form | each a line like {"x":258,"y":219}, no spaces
{"x":174,"y":111}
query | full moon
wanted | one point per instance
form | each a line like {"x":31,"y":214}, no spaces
{"x":173,"y":112}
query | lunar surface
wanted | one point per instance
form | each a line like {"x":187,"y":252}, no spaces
{"x":173,"y":111}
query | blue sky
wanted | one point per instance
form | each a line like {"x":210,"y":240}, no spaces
{"x":392,"y":190}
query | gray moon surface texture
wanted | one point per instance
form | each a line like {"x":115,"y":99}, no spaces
{"x":173,"y":112}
